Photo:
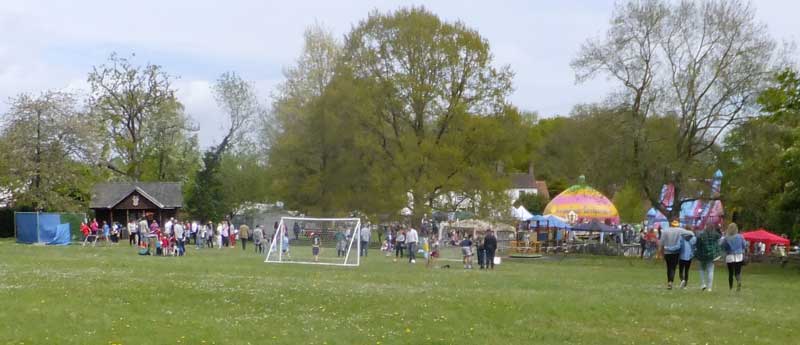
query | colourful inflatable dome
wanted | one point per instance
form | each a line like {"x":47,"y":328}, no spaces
{"x":582,"y":203}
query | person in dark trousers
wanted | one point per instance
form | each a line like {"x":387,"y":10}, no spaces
{"x":642,"y":243}
{"x":244,"y":235}
{"x":399,"y":245}
{"x":671,"y":245}
{"x":688,"y":242}
{"x":490,"y":247}
{"x":481,"y":253}
{"x":296,"y":229}
{"x":734,"y":246}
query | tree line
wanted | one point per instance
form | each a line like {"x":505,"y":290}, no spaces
{"x":410,"y":111}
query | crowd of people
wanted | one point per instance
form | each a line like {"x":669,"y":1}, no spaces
{"x":171,"y":239}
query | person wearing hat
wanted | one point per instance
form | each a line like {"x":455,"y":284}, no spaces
{"x":671,"y":246}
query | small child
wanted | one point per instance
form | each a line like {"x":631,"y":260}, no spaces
{"x":315,"y":243}
{"x":173,"y":243}
{"x":466,"y":251}
{"x":159,"y":246}
{"x":285,"y":246}
{"x":434,"y":247}
{"x":481,"y":253}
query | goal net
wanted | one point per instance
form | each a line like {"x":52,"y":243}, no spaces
{"x":320,"y":241}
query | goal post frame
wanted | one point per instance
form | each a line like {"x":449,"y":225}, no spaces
{"x":282,"y":229}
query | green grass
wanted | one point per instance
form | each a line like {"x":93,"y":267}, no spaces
{"x":104,"y":295}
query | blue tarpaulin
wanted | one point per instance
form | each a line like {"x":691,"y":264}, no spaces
{"x":41,"y":228}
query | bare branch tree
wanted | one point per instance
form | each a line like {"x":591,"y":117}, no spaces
{"x":702,"y":62}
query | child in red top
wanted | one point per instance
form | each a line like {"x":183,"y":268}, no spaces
{"x":85,"y":229}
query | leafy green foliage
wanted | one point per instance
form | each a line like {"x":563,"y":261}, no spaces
{"x":47,"y":148}
{"x":534,"y":203}
{"x":762,"y":158}
{"x":630,"y":203}
{"x":414,"y":113}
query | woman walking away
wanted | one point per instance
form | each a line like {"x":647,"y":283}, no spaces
{"x":671,"y":245}
{"x":687,"y":253}
{"x":707,"y":250}
{"x":734,"y":246}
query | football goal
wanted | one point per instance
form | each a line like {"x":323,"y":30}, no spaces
{"x":316,"y":241}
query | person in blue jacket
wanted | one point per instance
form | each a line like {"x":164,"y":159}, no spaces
{"x":686,"y":254}
{"x":734,"y":246}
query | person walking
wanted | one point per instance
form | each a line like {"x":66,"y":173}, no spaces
{"x":670,"y":244}
{"x":411,"y":240}
{"x":106,"y":231}
{"x":399,"y":245}
{"x":244,"y":235}
{"x":225,"y":232}
{"x":490,"y":246}
{"x":707,"y":250}
{"x":85,"y":230}
{"x":734,"y":246}
{"x":686,"y":254}
{"x":258,"y":239}
{"x":365,"y":234}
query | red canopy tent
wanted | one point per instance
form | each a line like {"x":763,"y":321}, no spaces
{"x":765,"y":236}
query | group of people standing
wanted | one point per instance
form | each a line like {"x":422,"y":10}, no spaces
{"x":406,"y":241}
{"x":93,"y":232}
{"x":681,"y":246}
{"x":170,"y":239}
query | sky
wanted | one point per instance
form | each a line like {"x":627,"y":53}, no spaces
{"x":54,"y":44}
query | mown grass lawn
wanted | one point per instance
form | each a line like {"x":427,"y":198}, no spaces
{"x":110,"y":295}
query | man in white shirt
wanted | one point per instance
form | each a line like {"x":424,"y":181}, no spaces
{"x":144,"y":230}
{"x":411,"y":242}
{"x":133,"y":232}
{"x":168,"y":226}
{"x":365,"y":234}
{"x":180,"y":237}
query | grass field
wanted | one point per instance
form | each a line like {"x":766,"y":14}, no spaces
{"x":105,"y":295}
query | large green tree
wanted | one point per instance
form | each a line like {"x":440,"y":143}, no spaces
{"x":49,"y":149}
{"x":762,"y":161}
{"x":439,"y":105}
{"x":147,"y":134}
